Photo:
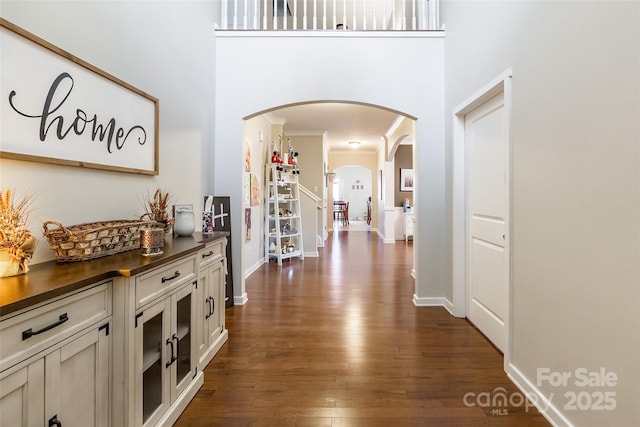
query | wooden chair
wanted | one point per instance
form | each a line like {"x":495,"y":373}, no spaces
{"x":368,"y":217}
{"x":345,"y":215}
{"x":341,"y":212}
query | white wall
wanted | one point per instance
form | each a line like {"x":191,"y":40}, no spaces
{"x":575,"y":184}
{"x":142,"y":43}
{"x":253,"y":249}
{"x":311,"y":161}
{"x":357,"y":197}
{"x":258,"y":71}
{"x":368,"y":160}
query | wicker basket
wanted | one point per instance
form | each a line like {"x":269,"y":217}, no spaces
{"x":93,"y":240}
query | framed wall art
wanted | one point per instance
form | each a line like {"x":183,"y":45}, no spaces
{"x":256,"y":190}
{"x":57,"y":108}
{"x":406,"y":179}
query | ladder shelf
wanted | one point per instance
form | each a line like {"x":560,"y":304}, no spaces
{"x":283,"y":223}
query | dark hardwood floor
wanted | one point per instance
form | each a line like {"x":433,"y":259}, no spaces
{"x":337,"y":341}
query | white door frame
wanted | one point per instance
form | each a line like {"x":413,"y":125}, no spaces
{"x":501,"y":84}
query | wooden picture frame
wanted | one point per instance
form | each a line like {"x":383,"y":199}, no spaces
{"x":406,"y":179}
{"x":57,"y":108}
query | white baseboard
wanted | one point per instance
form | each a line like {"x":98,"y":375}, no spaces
{"x":433,"y":302}
{"x":253,"y":268}
{"x":544,"y":405}
{"x":311,"y":254}
{"x":242,"y":300}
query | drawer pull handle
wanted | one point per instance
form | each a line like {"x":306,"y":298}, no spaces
{"x":172,"y":357}
{"x":53,"y":421}
{"x":207,"y":254}
{"x":30,"y":332}
{"x":208,"y":300}
{"x":175,"y":275}
{"x":211,"y":302}
{"x":175,"y":338}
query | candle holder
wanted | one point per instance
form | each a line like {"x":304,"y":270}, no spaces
{"x":151,"y":240}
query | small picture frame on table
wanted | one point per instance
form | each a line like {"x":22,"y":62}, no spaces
{"x":208,"y":213}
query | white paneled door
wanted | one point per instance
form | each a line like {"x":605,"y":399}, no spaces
{"x":486,"y":138}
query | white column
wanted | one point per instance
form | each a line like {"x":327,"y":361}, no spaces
{"x":275,"y":17}
{"x":284,"y":14}
{"x":354,"y":22}
{"x":324,"y":15}
{"x":335,"y":19}
{"x":295,"y":15}
{"x":235,"y":14}
{"x":393,"y":15}
{"x":404,"y":15}
{"x":344,"y":13}
{"x":374,"y":17}
{"x":433,"y":18}
{"x":245,"y":20}
{"x":384,"y":14}
{"x":413,"y":15}
{"x":304,"y":17}
{"x":364,"y":14}
{"x":264,"y":16}
{"x":225,"y":18}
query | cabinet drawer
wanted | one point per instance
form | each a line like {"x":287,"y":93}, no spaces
{"x":409,"y":221}
{"x":29,"y":332}
{"x":212,"y":252}
{"x":157,"y":282}
{"x":409,"y":226}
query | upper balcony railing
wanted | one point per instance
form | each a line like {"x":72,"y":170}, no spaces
{"x":360,"y":15}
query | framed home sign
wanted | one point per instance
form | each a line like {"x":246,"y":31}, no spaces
{"x":56,"y":108}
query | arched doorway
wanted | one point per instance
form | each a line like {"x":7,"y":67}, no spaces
{"x":320,"y":156}
{"x":253,"y":77}
{"x":329,"y":134}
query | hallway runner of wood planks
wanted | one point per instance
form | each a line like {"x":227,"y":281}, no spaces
{"x":337,"y":341}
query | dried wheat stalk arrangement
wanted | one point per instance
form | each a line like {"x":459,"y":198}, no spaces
{"x":157,"y":208}
{"x":16,"y":242}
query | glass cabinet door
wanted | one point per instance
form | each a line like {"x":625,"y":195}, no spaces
{"x":183,"y":366}
{"x":165,"y":359}
{"x":153,"y":355}
{"x":152,"y":366}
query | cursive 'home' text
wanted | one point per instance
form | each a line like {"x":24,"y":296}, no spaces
{"x":115,"y":136}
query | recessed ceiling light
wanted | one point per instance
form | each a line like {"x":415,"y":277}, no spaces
{"x":354,"y":144}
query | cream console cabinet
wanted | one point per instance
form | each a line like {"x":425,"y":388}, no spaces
{"x":55,"y":361}
{"x":165,"y":318}
{"x":164,"y":344}
{"x":117,"y":341}
{"x":211,"y":332}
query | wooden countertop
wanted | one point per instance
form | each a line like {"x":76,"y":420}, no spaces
{"x":51,"y":279}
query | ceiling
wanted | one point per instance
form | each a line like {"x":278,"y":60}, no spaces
{"x":342,"y":122}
